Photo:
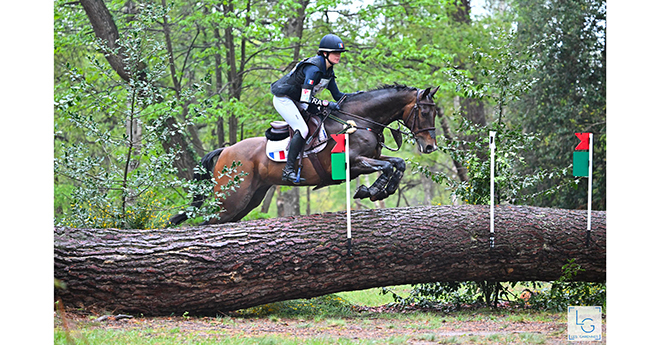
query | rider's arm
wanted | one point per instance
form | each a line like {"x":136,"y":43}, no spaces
{"x":334,"y":90}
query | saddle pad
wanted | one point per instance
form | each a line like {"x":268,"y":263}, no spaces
{"x":277,"y":151}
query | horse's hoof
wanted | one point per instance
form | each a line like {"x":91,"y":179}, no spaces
{"x":379,"y":196}
{"x":362,"y":192}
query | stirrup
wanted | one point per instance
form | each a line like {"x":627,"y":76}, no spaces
{"x":289,"y":175}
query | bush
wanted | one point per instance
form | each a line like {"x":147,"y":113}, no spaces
{"x":318,"y":306}
{"x":564,"y":293}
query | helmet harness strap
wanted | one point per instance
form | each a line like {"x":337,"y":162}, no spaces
{"x":326,"y":57}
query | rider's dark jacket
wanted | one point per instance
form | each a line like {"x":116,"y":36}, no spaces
{"x":309,"y":75}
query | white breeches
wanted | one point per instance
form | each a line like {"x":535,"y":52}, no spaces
{"x":291,"y":115}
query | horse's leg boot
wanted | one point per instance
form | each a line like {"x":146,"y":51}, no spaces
{"x":295,"y":146}
{"x":362,"y":192}
{"x":379,"y":185}
{"x":394,"y":182}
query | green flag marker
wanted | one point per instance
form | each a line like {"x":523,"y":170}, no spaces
{"x":338,"y":161}
{"x":581,"y":163}
{"x":583,"y":167}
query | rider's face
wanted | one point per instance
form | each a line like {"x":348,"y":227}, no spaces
{"x":334,"y":57}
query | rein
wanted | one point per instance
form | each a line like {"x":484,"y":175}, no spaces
{"x":414,"y":112}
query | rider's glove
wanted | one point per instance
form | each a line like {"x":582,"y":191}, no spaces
{"x":333,"y":105}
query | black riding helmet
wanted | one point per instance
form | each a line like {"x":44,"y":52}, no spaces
{"x":331,"y":43}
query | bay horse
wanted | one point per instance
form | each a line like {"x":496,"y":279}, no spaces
{"x":372,"y":112}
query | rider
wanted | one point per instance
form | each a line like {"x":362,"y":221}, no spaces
{"x":309,"y":77}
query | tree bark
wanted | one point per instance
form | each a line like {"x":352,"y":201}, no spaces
{"x":207,"y":270}
{"x":294,"y":27}
{"x":265,"y":205}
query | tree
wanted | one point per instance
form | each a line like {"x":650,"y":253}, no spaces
{"x":90,"y":71}
{"x":111,"y":45}
{"x":206,"y":270}
{"x":570,"y":95}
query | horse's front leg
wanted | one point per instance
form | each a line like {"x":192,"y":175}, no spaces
{"x":364,"y":165}
{"x":400,"y":167}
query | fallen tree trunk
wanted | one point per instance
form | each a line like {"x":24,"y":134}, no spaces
{"x":210,"y":269}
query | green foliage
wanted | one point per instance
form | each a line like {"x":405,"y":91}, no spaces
{"x":564,"y":292}
{"x":120,"y":176}
{"x":430,"y":295}
{"x":539,"y":77}
{"x":451,"y":296}
{"x":313,"y":307}
{"x":570,"y":94}
{"x":503,"y":81}
{"x":556,"y":296}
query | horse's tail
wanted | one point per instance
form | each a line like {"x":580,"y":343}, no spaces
{"x":207,"y":162}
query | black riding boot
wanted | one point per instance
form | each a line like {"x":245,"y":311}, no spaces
{"x":295,"y":146}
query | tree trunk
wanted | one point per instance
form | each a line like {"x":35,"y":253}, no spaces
{"x":461,"y":171}
{"x":207,"y":270}
{"x":220,"y":124}
{"x":288,"y":202}
{"x":265,"y":204}
{"x":105,"y":28}
{"x":294,"y":27}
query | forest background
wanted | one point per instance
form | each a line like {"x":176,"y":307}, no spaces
{"x":406,"y":50}
{"x":144,"y":89}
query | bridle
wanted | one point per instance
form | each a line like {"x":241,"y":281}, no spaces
{"x":414,"y":113}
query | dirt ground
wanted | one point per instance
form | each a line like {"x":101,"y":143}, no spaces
{"x":491,"y":329}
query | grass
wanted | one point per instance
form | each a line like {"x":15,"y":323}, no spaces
{"x":374,"y":297}
{"x":307,"y":308}
{"x":118,"y":337}
{"x":323,"y":320}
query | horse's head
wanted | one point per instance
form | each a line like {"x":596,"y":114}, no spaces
{"x":421,"y":120}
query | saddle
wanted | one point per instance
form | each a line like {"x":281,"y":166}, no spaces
{"x":279,"y":135}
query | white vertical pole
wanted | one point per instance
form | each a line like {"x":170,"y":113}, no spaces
{"x":492,"y":187}
{"x":348,"y":192}
{"x":590,"y":187}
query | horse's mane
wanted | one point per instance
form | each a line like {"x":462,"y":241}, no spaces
{"x":394,"y":87}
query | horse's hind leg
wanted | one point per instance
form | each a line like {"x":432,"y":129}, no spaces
{"x":256,"y":200}
{"x":239,"y":204}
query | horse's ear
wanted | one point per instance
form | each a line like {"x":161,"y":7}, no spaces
{"x":425,"y":93}
{"x":430,"y":93}
{"x":434,"y":91}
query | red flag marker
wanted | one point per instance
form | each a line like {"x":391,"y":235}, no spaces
{"x":584,"y":141}
{"x":341,"y":143}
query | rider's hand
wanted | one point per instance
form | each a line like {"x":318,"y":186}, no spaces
{"x":333,"y":105}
